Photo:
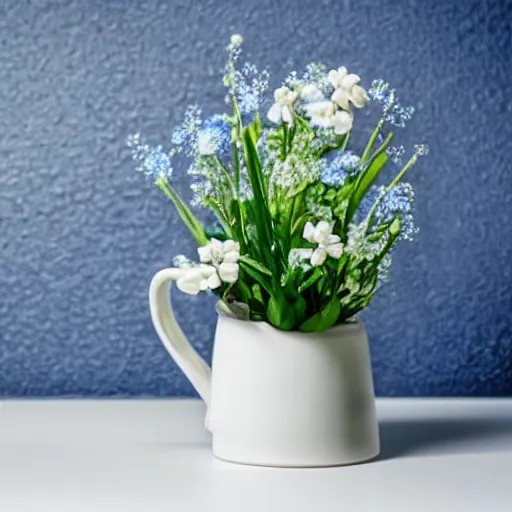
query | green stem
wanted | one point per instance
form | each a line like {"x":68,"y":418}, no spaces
{"x":369,"y":146}
{"x":225,"y":173}
{"x":285,"y":142}
{"x":188,"y":218}
{"x":345,"y":141}
{"x":221,"y":215}
{"x":400,"y":175}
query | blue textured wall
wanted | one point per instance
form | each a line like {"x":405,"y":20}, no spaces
{"x":81,"y":234}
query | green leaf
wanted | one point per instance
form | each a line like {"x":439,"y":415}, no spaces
{"x":317,"y":274}
{"x":260,"y":211}
{"x":255,"y":265}
{"x":300,"y":307}
{"x":365,"y":182}
{"x":323,"y":319}
{"x":243,"y":292}
{"x":261,"y":278}
{"x":394,"y":229}
{"x":188,"y":218}
{"x":256,"y":293}
{"x":280,"y":314}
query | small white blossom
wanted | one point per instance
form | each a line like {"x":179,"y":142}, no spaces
{"x":346,"y":90}
{"x":223,"y":256}
{"x":326,"y":114}
{"x":311,"y":92}
{"x":281,"y":110}
{"x":219,"y":263}
{"x":236,"y":40}
{"x":205,"y":144}
{"x":328,"y":244}
{"x":199,"y":279}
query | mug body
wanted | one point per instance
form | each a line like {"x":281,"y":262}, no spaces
{"x":292,"y":399}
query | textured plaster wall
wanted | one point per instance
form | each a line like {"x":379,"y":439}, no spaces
{"x":81,"y":234}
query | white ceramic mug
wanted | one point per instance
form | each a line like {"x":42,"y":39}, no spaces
{"x":275,"y":398}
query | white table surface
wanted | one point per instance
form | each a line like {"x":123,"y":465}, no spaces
{"x":154,"y":455}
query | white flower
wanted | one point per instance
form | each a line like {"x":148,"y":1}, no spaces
{"x":236,"y":40}
{"x":223,"y":256}
{"x":311,"y":92}
{"x":326,"y":114}
{"x":328,"y":244}
{"x":205,"y":144}
{"x":281,"y":110}
{"x":199,"y":279}
{"x":346,"y":89}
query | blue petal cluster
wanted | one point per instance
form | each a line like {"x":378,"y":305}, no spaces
{"x":153,"y":161}
{"x":394,"y":113}
{"x":184,"y":137}
{"x":335,"y":172}
{"x":250,"y":86}
{"x":366,"y":204}
{"x":218,"y":130}
{"x":398,"y":202}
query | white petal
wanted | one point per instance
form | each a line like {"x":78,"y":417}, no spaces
{"x":322,"y":122}
{"x":349,"y":81}
{"x":230,"y":245}
{"x":281,"y":95}
{"x":214,"y":281}
{"x":359,"y":97}
{"x":335,"y":76}
{"x":190,"y":282}
{"x":231,"y":257}
{"x":228,"y":272}
{"x":342,"y":122}
{"x":311,"y":92}
{"x":274,"y":113}
{"x":205,"y":253}
{"x":318,"y":257}
{"x":324,"y":228}
{"x":287,"y":115}
{"x":341,"y":97}
{"x":217,"y":249}
{"x":335,"y":250}
{"x":333,"y":239}
{"x":319,"y":108}
{"x":205,"y":144}
{"x":309,"y":232}
{"x":291,"y":97}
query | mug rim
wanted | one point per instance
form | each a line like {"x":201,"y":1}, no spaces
{"x":357,"y":325}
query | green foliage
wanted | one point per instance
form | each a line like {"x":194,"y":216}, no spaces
{"x":308,"y":258}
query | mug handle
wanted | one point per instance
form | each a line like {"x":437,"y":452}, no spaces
{"x":171,"y":335}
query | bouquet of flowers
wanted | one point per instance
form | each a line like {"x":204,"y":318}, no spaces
{"x":304,"y":233}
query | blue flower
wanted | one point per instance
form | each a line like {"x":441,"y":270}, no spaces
{"x":158,"y":163}
{"x":153,"y":161}
{"x":398,"y":202}
{"x":250,"y":86}
{"x":215,"y":136}
{"x":394,"y":113}
{"x":366,"y":204}
{"x":185,"y":136}
{"x":335,"y":173}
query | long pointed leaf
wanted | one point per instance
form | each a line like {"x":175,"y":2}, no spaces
{"x":323,"y":319}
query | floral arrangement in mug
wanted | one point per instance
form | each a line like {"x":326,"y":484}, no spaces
{"x":304,"y":234}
